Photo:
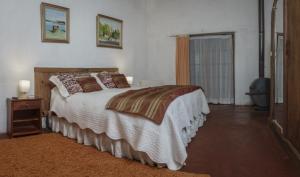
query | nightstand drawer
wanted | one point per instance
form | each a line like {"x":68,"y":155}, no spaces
{"x":26,"y":105}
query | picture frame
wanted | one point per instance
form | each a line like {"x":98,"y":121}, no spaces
{"x":55,"y":23}
{"x":109,"y":32}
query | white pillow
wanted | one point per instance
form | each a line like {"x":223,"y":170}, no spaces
{"x":61,"y":88}
{"x":99,"y":81}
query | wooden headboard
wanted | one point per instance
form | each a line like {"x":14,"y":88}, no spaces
{"x":42,"y":86}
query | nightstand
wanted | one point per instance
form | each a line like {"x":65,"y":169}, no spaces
{"x":23,"y":117}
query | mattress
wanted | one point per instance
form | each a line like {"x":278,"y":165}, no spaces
{"x":163,"y":144}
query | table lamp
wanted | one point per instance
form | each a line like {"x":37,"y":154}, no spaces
{"x":129,"y":80}
{"x":24,"y":87}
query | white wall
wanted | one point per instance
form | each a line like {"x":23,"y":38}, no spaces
{"x":21,"y":47}
{"x":171,"y":17}
{"x":279,"y":29}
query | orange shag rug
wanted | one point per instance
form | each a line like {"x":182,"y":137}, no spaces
{"x":54,"y":155}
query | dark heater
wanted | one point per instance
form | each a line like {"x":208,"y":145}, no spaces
{"x":260,"y":93}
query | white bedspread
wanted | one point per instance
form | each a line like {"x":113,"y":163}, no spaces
{"x":163,"y":143}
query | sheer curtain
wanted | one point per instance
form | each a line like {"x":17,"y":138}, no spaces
{"x":212,"y":67}
{"x":279,"y":71}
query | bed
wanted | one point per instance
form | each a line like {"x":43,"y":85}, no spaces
{"x":83,"y":117}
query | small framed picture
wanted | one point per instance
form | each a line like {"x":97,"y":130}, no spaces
{"x":55,"y":23}
{"x":109,"y":32}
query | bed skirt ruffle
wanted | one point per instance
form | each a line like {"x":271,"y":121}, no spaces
{"x":118,"y":148}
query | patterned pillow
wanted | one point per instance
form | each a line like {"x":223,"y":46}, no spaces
{"x":70,"y":83}
{"x":120,"y":81}
{"x":106,"y":79}
{"x":89,"y":84}
{"x":95,"y":75}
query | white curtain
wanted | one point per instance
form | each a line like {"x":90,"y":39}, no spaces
{"x":279,"y":71}
{"x":212,"y":67}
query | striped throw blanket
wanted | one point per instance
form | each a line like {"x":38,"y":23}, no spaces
{"x":150,"y":103}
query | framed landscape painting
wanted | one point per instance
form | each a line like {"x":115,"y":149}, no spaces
{"x":109,"y":32}
{"x":55,"y":22}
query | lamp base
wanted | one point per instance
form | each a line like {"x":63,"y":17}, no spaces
{"x":23,"y":96}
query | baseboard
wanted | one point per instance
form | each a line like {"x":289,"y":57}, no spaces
{"x":279,"y":130}
{"x":292,"y":148}
{"x":278,"y":127}
{"x":3,"y":136}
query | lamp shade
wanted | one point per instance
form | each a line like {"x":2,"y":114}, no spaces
{"x":24,"y":86}
{"x":129,"y":79}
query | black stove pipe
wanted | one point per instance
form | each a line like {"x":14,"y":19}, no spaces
{"x":261,"y":20}
{"x":260,"y":88}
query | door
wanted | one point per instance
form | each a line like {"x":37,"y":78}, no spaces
{"x":292,"y":31}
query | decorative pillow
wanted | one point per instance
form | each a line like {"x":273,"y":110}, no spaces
{"x":60,"y":86}
{"x":89,"y":84}
{"x":70,"y":83}
{"x":106,"y":79}
{"x":95,"y":75}
{"x":120,"y":81}
{"x":66,"y":84}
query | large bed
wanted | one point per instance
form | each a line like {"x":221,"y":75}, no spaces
{"x":83,"y":117}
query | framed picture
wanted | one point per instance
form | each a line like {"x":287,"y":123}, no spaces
{"x":55,"y":22}
{"x":109,"y":32}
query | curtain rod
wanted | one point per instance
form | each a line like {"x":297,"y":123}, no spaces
{"x":179,"y":35}
{"x":203,"y":34}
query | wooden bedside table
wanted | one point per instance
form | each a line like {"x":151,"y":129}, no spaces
{"x":23,"y":117}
